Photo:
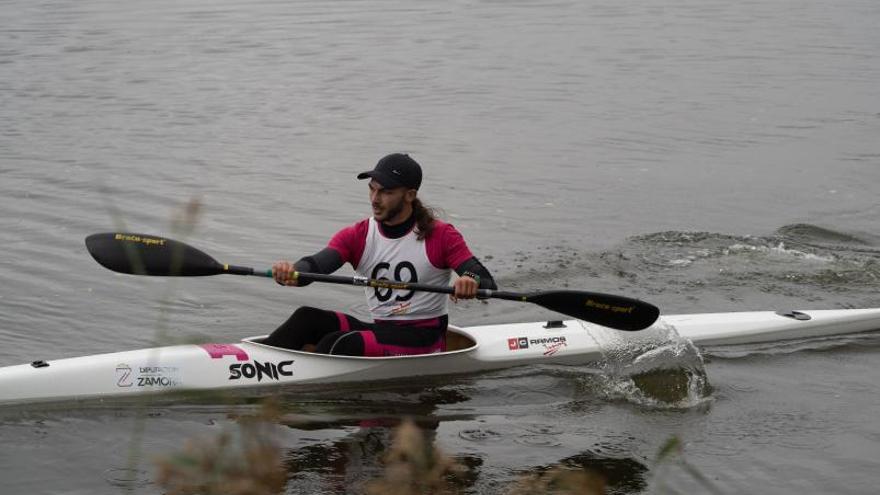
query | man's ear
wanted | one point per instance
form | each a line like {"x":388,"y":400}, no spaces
{"x":411,"y":195}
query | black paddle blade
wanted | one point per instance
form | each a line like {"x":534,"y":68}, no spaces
{"x":140,"y":254}
{"x":618,"y":312}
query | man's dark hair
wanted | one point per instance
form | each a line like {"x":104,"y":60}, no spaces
{"x":425,"y":216}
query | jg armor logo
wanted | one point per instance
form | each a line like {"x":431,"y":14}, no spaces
{"x":518,"y":343}
{"x":551,"y":345}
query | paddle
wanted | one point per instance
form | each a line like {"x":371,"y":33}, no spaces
{"x":139,"y":254}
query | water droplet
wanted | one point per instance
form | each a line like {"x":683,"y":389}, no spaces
{"x":125,"y":477}
{"x":479,"y":435}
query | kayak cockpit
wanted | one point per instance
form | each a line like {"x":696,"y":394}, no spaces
{"x":457,"y":341}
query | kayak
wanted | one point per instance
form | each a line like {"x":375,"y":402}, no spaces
{"x":249,"y":363}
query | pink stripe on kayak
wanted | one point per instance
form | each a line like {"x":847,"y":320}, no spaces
{"x":372,"y":348}
{"x":217,"y":351}
{"x":343,"y":322}
{"x":397,"y":350}
{"x":431,"y":322}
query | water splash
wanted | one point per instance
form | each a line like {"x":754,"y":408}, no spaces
{"x":796,"y":255}
{"x":654,"y":368}
{"x":796,"y":264}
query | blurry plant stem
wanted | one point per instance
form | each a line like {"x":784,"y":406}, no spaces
{"x":183,"y":223}
{"x":673,"y":452}
{"x":414,"y":465}
{"x":245,"y":463}
{"x":561,"y":481}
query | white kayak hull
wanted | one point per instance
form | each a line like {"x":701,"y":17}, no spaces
{"x":251,"y":364}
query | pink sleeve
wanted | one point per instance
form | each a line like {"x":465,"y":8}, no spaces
{"x":350,"y":242}
{"x":446,"y":246}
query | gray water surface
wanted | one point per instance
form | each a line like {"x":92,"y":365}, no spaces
{"x":704,"y":156}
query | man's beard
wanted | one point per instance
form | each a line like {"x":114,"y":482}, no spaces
{"x":393,"y":211}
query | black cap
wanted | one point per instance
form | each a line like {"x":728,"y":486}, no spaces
{"x":396,"y":170}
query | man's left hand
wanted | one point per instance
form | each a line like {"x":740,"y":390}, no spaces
{"x":465,"y":288}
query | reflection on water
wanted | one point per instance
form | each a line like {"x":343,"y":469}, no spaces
{"x":351,"y":462}
{"x":341,"y":439}
{"x":617,"y":475}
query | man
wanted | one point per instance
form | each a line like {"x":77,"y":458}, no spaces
{"x":403,"y":241}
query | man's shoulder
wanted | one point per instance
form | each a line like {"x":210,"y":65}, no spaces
{"x":442,"y":229}
{"x":440,"y":226}
{"x":446,"y":246}
{"x":350,"y":241}
{"x":358,"y":226}
{"x":351,"y":233}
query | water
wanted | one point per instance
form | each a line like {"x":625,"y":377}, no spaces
{"x":706,"y":156}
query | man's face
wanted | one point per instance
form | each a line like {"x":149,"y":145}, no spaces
{"x":388,"y":204}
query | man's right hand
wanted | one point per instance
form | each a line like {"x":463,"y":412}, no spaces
{"x":283,"y":271}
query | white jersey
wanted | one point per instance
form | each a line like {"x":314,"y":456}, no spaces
{"x":403,"y":260}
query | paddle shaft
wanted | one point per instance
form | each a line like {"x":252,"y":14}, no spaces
{"x":139,"y":254}
{"x":372,"y":282}
{"x":442,"y":289}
